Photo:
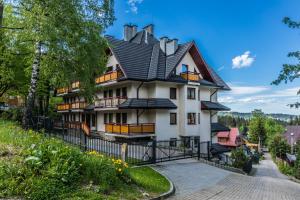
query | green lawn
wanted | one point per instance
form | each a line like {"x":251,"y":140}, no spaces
{"x":35,"y":167}
{"x":149,"y":179}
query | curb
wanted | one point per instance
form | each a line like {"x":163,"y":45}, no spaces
{"x":291,"y":178}
{"x":168,"y":193}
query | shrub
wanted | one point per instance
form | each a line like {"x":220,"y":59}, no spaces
{"x":14,"y":114}
{"x":240,"y":160}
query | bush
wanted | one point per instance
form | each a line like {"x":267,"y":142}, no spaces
{"x":255,"y":157}
{"x":14,"y":114}
{"x":240,"y":160}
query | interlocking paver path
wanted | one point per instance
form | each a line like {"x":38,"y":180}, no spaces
{"x":194,"y":180}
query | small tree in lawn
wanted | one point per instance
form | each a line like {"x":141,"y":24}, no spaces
{"x":64,"y":42}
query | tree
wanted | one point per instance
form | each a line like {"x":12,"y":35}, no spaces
{"x":64,"y":42}
{"x":272,"y":128}
{"x":290,"y":72}
{"x":257,"y":131}
{"x":279,"y":146}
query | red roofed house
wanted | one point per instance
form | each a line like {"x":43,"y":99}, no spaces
{"x":230,"y":138}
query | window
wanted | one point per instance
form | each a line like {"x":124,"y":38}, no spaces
{"x":199,"y":118}
{"x":198,"y":94}
{"x":173,"y":93}
{"x":124,"y":118}
{"x":105,"y":118}
{"x":196,"y":141}
{"x":110,"y":118}
{"x":124,"y":92}
{"x":191,"y":117}
{"x":184,"y":68}
{"x":93,"y":120}
{"x":191,"y":93}
{"x":173,"y":142}
{"x":110,"y":93}
{"x":118,"y":118}
{"x":118,"y":92}
{"x":105,"y":94}
{"x":109,"y":69}
{"x":173,"y":118}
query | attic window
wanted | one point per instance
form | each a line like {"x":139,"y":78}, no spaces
{"x":109,"y":69}
{"x":184,"y":68}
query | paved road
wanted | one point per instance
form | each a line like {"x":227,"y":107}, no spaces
{"x":194,"y":180}
{"x":268,"y":168}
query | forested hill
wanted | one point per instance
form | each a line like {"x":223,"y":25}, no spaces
{"x":278,"y":116}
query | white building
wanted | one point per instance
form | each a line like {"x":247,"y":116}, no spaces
{"x":151,"y":88}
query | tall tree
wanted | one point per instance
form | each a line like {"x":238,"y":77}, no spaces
{"x":257,"y":131}
{"x":64,"y":42}
{"x":290,"y":72}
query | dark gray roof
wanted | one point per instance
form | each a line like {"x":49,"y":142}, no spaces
{"x":217,"y":148}
{"x":208,"y":105}
{"x":157,"y":103}
{"x":216,"y":127}
{"x":141,"y":60}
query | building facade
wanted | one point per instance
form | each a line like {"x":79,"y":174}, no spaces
{"x":152,"y":88}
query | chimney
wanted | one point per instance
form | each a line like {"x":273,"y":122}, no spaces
{"x":149,"y":28}
{"x":129,"y":31}
{"x":171,"y":46}
{"x":163,"y":41}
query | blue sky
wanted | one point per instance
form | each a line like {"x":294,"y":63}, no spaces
{"x":243,"y":40}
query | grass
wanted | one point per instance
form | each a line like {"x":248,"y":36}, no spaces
{"x":17,"y":144}
{"x":149,"y":179}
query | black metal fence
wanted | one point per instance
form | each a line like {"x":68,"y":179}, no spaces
{"x":137,"y":153}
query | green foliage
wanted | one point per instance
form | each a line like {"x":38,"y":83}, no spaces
{"x":257,"y":128}
{"x":285,"y":168}
{"x":14,"y":114}
{"x":290,"y":72}
{"x":278,"y":146}
{"x":35,"y":167}
{"x":232,"y":121}
{"x":239,"y":158}
{"x":149,"y":179}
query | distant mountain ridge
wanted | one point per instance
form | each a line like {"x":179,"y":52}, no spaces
{"x":279,"y":116}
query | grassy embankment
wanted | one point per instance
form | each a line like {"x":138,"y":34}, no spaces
{"x":35,"y":167}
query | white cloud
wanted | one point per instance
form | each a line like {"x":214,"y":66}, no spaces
{"x":133,"y":5}
{"x":241,"y":90}
{"x":242,"y":61}
{"x":260,"y":97}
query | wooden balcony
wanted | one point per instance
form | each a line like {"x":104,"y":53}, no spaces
{"x":75,"y":85}
{"x":130,"y":129}
{"x":112,"y":102}
{"x":108,"y":76}
{"x":78,"y":105}
{"x":62,"y":90}
{"x":63,"y":107}
{"x":190,"y":76}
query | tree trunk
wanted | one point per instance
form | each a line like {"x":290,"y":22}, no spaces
{"x":46,"y":106}
{"x":27,"y":115}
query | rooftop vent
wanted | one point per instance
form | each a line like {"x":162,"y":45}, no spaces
{"x":149,"y":28}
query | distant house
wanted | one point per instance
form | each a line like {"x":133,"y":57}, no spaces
{"x":292,"y":134}
{"x":230,"y":138}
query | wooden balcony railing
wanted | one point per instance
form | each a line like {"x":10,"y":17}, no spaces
{"x":109,"y":76}
{"x":75,"y":85}
{"x":191,"y":76}
{"x":130,"y":129}
{"x":63,"y":106}
{"x":78,"y":105}
{"x":109,"y":102}
{"x":62,"y":90}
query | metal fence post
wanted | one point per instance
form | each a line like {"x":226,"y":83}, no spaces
{"x":198,"y":149}
{"x":154,"y":151}
{"x":208,"y":150}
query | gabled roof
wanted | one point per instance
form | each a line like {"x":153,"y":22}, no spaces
{"x":296,"y":133}
{"x":232,"y":137}
{"x":157,"y":103}
{"x":142,"y":59}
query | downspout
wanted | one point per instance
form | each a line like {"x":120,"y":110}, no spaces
{"x":210,"y":120}
{"x":138,"y":96}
